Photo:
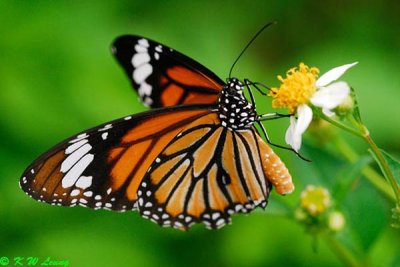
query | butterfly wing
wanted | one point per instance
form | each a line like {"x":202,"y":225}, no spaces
{"x":206,"y":174}
{"x":164,"y":77}
{"x":103,"y":167}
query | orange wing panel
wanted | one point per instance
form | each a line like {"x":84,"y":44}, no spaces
{"x":171,"y":95}
{"x":196,"y":205}
{"x":191,"y":78}
{"x":141,"y":145}
{"x":158,"y":124}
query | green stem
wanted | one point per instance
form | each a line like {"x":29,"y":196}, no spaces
{"x":387,"y":172}
{"x":339,"y":124}
{"x":384,"y":166}
{"x":363,"y":132}
{"x":345,"y":255}
{"x":369,"y":173}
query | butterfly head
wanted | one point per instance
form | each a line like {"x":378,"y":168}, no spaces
{"x":235,"y":111}
{"x":234,"y":84}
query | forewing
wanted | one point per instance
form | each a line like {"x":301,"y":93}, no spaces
{"x":163,"y":76}
{"x":103,"y":167}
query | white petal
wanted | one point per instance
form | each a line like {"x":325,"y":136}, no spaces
{"x":304,"y":117}
{"x":291,"y":139}
{"x":331,"y":96}
{"x":290,"y":130}
{"x":298,"y":127}
{"x":333,"y":75}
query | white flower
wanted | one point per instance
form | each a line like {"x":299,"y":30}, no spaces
{"x":328,"y":95}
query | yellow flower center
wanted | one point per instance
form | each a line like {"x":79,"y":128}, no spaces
{"x":296,"y":89}
{"x":315,"y":200}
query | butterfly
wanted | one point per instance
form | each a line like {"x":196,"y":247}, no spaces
{"x":194,"y":157}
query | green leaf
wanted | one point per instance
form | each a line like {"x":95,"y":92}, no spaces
{"x":356,"y":110}
{"x":366,"y":214}
{"x":394,"y":165}
{"x":347,"y":178}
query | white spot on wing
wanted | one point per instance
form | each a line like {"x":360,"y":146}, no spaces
{"x":75,"y":192}
{"x":106,"y":127}
{"x":88,"y":194}
{"x":215,"y":216}
{"x":158,"y":48}
{"x":145,"y":89}
{"x":148,"y":101}
{"x":104,"y":136}
{"x":74,"y":157}
{"x":143,"y":42}
{"x":84,"y":182}
{"x":140,"y":59}
{"x":79,"y":137}
{"x":220,"y":223}
{"x":75,"y":146}
{"x":140,"y":49}
{"x":141,"y":73}
{"x":75,"y":172}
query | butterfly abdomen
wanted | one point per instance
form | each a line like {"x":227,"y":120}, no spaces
{"x":235,"y":112}
{"x":275,"y":170}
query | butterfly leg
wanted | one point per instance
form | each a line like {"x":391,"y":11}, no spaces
{"x":268,"y":116}
{"x":247,"y":82}
{"x":255,"y":85}
{"x":277,"y":145}
{"x":272,"y":116}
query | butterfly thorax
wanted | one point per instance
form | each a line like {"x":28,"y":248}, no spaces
{"x":235,"y":111}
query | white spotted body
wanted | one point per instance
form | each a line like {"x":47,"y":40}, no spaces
{"x":235,"y":111}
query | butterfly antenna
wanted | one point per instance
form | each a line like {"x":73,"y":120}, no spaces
{"x":249,"y":43}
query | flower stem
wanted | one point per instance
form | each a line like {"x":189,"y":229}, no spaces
{"x":369,"y":173}
{"x":384,"y":166}
{"x":363,"y":132}
{"x":339,"y":124}
{"x":387,"y":172}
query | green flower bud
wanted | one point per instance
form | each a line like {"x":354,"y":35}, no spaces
{"x":346,"y":107}
{"x":336,"y":221}
{"x":315,"y":200}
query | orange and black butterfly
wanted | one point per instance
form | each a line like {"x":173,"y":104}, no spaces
{"x":196,"y":157}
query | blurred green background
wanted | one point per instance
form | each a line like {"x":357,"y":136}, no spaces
{"x":57,"y":77}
